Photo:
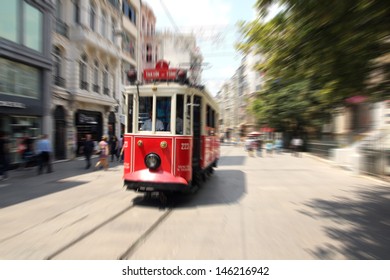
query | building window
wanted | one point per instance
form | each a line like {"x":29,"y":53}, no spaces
{"x":128,"y":45}
{"x":19,"y":79}
{"x":129,"y":12}
{"x":96,"y":87}
{"x":105,"y":81}
{"x":149,"y":53}
{"x":92,"y":17}
{"x":113,"y":86}
{"x":57,"y":67}
{"x":9,"y":20}
{"x":21,"y":23}
{"x":103,"y":26}
{"x":113,"y":24}
{"x":32,"y":35}
{"x":76,"y":11}
{"x":59,"y":9}
{"x":83,"y":72}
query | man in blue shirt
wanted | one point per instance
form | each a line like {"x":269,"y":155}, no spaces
{"x":43,"y":152}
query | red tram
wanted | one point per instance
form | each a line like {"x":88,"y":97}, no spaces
{"x":171,"y":141}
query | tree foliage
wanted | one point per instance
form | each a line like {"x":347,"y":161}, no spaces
{"x":317,"y":54}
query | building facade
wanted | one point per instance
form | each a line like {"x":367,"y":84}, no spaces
{"x":181,"y":51}
{"x":235,"y":97}
{"x":25,"y":72}
{"x":86,"y":53}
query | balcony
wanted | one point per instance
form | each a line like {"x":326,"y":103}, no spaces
{"x":59,"y":81}
{"x":96,"y":88}
{"x":62,"y":28}
{"x":106,"y":91}
{"x":91,"y":39}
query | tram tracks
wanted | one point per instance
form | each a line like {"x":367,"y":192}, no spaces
{"x":87,"y":233}
{"x":54,"y":217}
{"x":105,"y":241}
{"x":138,"y":243}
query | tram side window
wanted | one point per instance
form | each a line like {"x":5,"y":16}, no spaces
{"x":210,"y":120}
{"x":179,"y":113}
{"x":130,"y":114}
{"x":145,"y":113}
{"x":188,"y":116}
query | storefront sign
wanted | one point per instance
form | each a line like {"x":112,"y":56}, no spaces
{"x":12,"y":104}
{"x":84,"y":119}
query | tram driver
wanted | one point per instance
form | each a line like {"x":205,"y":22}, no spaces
{"x":147,"y":125}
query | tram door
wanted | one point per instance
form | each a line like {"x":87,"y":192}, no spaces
{"x":197,"y":105}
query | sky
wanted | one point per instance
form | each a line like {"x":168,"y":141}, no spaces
{"x":214,"y":24}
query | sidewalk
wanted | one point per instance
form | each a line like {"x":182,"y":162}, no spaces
{"x":62,"y":169}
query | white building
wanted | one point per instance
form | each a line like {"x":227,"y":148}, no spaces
{"x":86,"y":72}
{"x":181,"y":51}
{"x":237,"y":94}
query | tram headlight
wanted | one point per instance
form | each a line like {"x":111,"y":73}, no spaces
{"x":152,"y":161}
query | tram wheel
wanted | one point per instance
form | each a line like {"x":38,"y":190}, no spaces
{"x":147,"y":195}
{"x":163,"y":198}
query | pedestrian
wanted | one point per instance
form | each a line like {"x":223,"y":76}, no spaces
{"x":296,"y":144}
{"x":89,"y":147}
{"x":4,"y":155}
{"x":299,"y":144}
{"x":259,"y":147}
{"x":278,"y":145}
{"x":44,"y":151}
{"x":269,"y":147}
{"x":120,"y":148}
{"x":249,"y":146}
{"x":103,"y":153}
{"x":113,"y":147}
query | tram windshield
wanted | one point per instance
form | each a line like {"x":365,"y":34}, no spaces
{"x":158,"y":118}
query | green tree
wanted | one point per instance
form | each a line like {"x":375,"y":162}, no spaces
{"x":317,"y":54}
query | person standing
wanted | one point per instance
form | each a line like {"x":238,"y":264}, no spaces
{"x":4,"y":156}
{"x":44,"y":150}
{"x":120,"y":147}
{"x":147,"y":125}
{"x":103,"y":149}
{"x":89,"y":147}
{"x":113,"y":147}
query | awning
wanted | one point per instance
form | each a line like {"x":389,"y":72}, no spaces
{"x":356,"y":99}
{"x":267,"y":129}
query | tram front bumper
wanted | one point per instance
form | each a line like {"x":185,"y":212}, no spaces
{"x":150,"y":181}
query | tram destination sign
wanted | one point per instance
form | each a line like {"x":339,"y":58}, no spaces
{"x":160,"y":74}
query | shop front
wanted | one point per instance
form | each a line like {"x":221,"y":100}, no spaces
{"x":88,"y":122}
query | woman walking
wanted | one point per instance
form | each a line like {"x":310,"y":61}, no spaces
{"x":103,"y":154}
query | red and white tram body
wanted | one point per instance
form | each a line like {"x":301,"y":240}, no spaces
{"x":171,"y":141}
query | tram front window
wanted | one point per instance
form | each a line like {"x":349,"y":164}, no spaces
{"x":163,"y":112}
{"x":146,"y":114}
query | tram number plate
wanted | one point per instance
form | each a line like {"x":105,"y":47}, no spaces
{"x":185,"y":146}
